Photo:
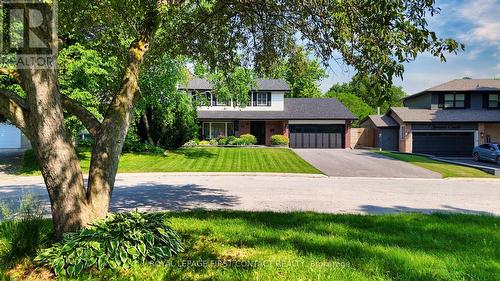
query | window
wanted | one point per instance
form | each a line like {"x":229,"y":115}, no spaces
{"x":219,"y":102}
{"x":402,"y":132}
{"x":493,"y":101}
{"x":454,"y":101}
{"x":261,"y":99}
{"x":213,"y":130}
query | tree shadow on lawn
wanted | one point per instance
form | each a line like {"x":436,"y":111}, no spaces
{"x":417,"y":246}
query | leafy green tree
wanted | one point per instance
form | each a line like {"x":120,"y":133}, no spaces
{"x":354,"y":103}
{"x":302,"y":73}
{"x":374,"y":37}
{"x":165,"y":116}
{"x":85,"y":77}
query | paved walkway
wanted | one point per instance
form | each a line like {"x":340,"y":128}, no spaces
{"x":162,"y":191}
{"x":361,"y":163}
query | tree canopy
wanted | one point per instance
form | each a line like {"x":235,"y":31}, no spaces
{"x":374,"y":37}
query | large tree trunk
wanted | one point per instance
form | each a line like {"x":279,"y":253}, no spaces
{"x":109,"y":141}
{"x":54,"y":150}
{"x":40,"y":116}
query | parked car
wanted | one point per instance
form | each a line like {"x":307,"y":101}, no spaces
{"x":487,"y":152}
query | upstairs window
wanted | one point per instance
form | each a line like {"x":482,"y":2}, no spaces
{"x":454,"y":101}
{"x":494,"y":101}
{"x":260,"y":99}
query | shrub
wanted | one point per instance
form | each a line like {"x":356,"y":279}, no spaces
{"x":231,"y":139}
{"x":222,"y":141}
{"x":213,"y":142}
{"x":237,"y":141}
{"x":23,"y":230}
{"x":248,"y":139}
{"x":191,"y":143}
{"x":279,"y":140}
{"x":118,"y":241}
{"x":204,"y":142}
{"x":85,"y":143}
{"x":133,"y":144}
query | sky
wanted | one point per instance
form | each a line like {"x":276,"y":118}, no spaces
{"x":475,"y":23}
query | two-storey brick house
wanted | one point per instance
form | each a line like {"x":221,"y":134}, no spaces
{"x":308,"y":122}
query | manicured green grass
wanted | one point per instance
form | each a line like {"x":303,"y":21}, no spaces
{"x":445,"y":169}
{"x":212,"y":159}
{"x":311,"y":246}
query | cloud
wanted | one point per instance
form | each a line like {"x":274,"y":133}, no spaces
{"x":483,"y":16}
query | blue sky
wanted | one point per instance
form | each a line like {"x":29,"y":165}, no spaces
{"x":475,"y":23}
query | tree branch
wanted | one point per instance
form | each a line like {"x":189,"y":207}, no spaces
{"x":88,"y":119}
{"x":14,"y":108}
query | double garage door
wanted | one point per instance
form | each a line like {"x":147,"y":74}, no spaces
{"x":317,"y":136}
{"x":444,"y":143}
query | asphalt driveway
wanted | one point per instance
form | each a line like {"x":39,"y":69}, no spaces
{"x":361,"y":163}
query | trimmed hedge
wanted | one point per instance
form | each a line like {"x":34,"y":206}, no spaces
{"x":279,"y":140}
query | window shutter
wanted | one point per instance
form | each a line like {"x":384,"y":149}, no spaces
{"x":254,"y":95}
{"x":269,"y":99}
{"x":467,"y":100}
{"x":486,"y":101}
{"x":441,"y":101}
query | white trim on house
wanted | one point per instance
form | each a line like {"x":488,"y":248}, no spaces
{"x":316,"y":122}
{"x":277,"y":104}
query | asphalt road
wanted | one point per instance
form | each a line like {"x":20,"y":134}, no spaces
{"x":361,"y":163}
{"x":160,"y":191}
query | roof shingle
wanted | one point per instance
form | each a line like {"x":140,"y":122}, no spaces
{"x":440,"y":115}
{"x":261,"y":84}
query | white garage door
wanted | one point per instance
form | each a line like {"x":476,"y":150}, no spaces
{"x":10,"y":136}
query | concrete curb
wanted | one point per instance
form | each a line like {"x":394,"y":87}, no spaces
{"x":228,"y":174}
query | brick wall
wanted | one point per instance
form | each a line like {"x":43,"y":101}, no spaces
{"x":244,"y":127}
{"x":491,"y":132}
{"x":274,"y":128}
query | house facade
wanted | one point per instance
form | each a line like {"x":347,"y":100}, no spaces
{"x":445,"y":120}
{"x":307,"y":122}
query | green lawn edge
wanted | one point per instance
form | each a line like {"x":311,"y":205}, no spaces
{"x":239,"y":245}
{"x":447,"y":170}
{"x":198,"y":159}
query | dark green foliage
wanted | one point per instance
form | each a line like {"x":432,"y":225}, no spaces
{"x":119,"y":241}
{"x":354,"y":103}
{"x":165,"y":117}
{"x":222,"y":140}
{"x":279,"y":140}
{"x":371,"y":91}
{"x":134,"y":144}
{"x":23,"y":230}
{"x":88,"y":78}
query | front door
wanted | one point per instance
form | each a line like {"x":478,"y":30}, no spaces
{"x":258,"y":129}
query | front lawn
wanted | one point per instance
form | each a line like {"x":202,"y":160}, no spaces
{"x":310,"y":246}
{"x":211,"y":159}
{"x":445,"y":169}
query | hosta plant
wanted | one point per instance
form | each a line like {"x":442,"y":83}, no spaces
{"x":116,"y":242}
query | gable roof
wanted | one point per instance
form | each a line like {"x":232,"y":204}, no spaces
{"x":382,"y":121}
{"x":468,"y":85}
{"x":439,"y":115}
{"x":294,"y":108}
{"x":261,"y":84}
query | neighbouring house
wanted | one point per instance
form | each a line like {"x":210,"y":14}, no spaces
{"x":445,"y":120}
{"x":12,"y":138}
{"x":308,"y":122}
